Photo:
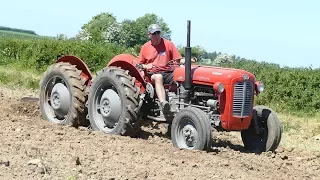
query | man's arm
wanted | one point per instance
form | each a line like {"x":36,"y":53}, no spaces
{"x":141,"y":59}
{"x":175,"y":53}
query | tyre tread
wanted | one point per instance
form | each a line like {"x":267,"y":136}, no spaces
{"x":77,"y":88}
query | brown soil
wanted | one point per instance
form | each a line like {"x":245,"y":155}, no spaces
{"x":32,"y":148}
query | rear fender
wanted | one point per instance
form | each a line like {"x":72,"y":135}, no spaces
{"x":79,"y":65}
{"x":128,"y":62}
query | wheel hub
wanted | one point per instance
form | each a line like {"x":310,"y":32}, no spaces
{"x":56,"y":100}
{"x":60,"y":99}
{"x":110,"y":107}
{"x":190,"y":135}
{"x":105,"y":107}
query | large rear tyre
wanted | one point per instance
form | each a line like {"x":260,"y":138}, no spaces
{"x":269,"y":134}
{"x":113,"y":102}
{"x":62,"y":95}
{"x":191,"y":129}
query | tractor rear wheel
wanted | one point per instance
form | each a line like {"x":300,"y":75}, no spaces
{"x":113,"y":102}
{"x":270,"y":131}
{"x":62,"y":95}
{"x":191,"y":130}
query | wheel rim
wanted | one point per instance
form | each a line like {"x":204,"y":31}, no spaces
{"x":187,"y":134}
{"x":57,"y":99}
{"x":106,"y":107}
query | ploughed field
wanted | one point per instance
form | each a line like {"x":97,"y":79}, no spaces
{"x":32,"y":148}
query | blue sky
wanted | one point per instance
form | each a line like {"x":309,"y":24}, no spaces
{"x":283,"y":32}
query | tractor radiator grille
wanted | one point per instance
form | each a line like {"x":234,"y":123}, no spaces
{"x":242,"y":98}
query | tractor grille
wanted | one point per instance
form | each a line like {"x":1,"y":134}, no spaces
{"x":242,"y":98}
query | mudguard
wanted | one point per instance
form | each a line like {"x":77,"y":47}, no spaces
{"x":79,"y":65}
{"x":128,"y":62}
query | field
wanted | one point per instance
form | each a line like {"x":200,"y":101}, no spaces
{"x":32,"y":148}
{"x":4,"y":33}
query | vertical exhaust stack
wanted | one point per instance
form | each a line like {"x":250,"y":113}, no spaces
{"x":187,"y":83}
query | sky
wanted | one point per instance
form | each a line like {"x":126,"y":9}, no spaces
{"x":283,"y":32}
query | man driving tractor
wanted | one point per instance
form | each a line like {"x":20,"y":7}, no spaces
{"x":154,"y":57}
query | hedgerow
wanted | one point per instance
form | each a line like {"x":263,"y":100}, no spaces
{"x":38,"y":54}
{"x":286,"y":89}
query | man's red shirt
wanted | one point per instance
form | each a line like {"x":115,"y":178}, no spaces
{"x":159,"y":55}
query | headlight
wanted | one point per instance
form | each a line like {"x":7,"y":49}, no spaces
{"x":260,"y":86}
{"x":218,"y":87}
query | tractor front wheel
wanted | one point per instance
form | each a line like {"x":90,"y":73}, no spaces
{"x":191,"y":130}
{"x":113,"y":102}
{"x":265,"y":131}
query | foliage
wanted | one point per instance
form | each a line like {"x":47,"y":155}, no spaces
{"x":101,"y":28}
{"x":104,"y":28}
{"x":196,"y":51}
{"x":144,"y":21}
{"x":38,"y":54}
{"x":103,"y":37}
{"x":223,"y":58}
{"x":210,"y":55}
{"x":19,"y":78}
{"x":290,"y":89}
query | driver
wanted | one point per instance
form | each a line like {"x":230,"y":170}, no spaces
{"x":154,"y":57}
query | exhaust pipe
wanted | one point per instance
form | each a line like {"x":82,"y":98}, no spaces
{"x":187,"y":83}
{"x":184,"y":93}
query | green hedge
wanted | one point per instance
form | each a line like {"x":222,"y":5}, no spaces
{"x":287,"y":89}
{"x":38,"y":54}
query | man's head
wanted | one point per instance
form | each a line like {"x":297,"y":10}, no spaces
{"x":154,"y":33}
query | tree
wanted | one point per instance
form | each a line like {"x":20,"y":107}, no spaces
{"x":129,"y":33}
{"x":143,"y":22}
{"x":224,"y":58}
{"x":196,"y":51}
{"x":61,"y":37}
{"x":101,"y":28}
{"x":210,"y":55}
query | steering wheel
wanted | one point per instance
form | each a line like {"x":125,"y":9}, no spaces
{"x":139,"y":66}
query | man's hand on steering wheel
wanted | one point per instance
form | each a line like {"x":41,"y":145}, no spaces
{"x":147,"y":66}
{"x":139,"y":66}
{"x":144,"y":66}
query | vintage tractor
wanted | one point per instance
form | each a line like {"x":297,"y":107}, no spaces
{"x":122,"y":95}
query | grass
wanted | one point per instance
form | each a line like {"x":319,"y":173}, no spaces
{"x":299,"y":130}
{"x":18,"y":78}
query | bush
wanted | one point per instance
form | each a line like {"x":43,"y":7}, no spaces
{"x":289,"y":89}
{"x":38,"y":54}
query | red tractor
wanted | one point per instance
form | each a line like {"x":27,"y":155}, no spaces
{"x":121,"y":96}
